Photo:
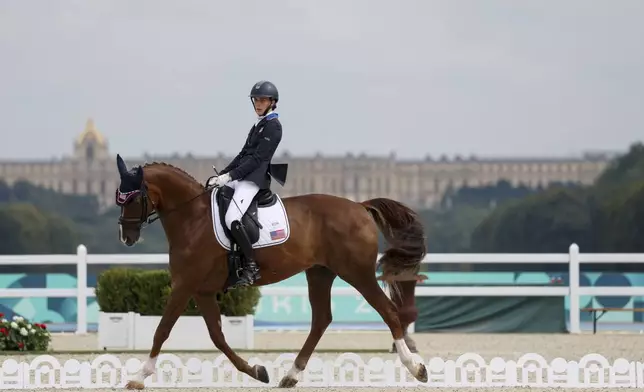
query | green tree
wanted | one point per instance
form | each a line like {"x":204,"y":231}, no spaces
{"x":547,"y":222}
{"x":26,"y":229}
{"x":10,"y":228}
{"x":450,"y":230}
{"x":605,"y":217}
{"x":625,"y":169}
{"x":38,"y":220}
{"x":621,"y":219}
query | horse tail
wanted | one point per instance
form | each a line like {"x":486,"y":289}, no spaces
{"x":405,"y":234}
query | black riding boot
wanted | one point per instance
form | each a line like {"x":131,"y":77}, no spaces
{"x":250,"y":272}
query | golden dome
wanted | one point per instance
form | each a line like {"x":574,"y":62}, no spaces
{"x":92,"y":133}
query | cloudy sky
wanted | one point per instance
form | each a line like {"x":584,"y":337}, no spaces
{"x":491,"y":78}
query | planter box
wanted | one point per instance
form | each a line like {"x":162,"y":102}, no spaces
{"x":114,"y":331}
{"x":188,"y":333}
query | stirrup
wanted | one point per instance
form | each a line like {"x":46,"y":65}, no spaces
{"x":250,"y":273}
{"x":245,"y":279}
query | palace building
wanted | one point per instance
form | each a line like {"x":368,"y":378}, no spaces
{"x":418,"y":183}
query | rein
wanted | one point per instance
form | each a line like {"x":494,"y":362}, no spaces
{"x":145,"y":220}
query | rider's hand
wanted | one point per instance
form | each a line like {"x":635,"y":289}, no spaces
{"x":219,"y":180}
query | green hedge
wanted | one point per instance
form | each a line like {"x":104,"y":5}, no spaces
{"x":121,"y":290}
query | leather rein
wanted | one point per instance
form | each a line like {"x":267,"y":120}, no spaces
{"x":145,"y":220}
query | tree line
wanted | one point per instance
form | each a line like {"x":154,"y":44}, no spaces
{"x":35,"y":220}
{"x":607,"y":216}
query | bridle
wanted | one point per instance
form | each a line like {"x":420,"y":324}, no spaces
{"x":124,"y":198}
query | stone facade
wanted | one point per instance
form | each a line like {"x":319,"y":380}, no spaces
{"x":419,"y":183}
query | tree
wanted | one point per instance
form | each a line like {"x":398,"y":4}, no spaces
{"x":546,"y":222}
{"x":625,"y":169}
{"x":450,"y":230}
{"x":622,"y":220}
{"x":605,"y":217}
{"x":38,"y":220}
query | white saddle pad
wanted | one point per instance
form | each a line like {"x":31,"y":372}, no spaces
{"x":274,"y":220}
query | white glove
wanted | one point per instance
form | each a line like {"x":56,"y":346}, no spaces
{"x":219,"y":180}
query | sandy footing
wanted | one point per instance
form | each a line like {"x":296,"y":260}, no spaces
{"x":446,"y":346}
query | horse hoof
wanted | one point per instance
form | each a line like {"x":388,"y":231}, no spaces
{"x":134,"y":385}
{"x":287,"y":382}
{"x":421,"y":374}
{"x":261,"y":374}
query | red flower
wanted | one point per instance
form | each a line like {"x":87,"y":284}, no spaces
{"x":21,"y":345}
{"x":1,"y":315}
{"x":4,"y":331}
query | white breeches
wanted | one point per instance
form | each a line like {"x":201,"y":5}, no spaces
{"x":245,"y":191}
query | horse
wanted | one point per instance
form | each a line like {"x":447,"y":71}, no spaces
{"x":324,"y":236}
{"x":405,"y":302}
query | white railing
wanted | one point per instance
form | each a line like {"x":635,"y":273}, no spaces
{"x":573,"y":258}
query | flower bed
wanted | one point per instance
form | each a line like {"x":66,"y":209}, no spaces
{"x":22,"y":335}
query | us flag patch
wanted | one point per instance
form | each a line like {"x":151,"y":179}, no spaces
{"x":278,"y":234}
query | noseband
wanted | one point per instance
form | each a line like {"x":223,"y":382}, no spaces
{"x":124,"y":198}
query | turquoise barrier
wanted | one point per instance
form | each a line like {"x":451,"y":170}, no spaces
{"x":291,"y":311}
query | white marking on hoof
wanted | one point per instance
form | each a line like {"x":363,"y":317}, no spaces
{"x":290,"y":379}
{"x":148,"y":369}
{"x":407,"y":358}
{"x":293,"y":372}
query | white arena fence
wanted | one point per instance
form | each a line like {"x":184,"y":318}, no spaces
{"x":573,"y":258}
{"x":346,"y":370}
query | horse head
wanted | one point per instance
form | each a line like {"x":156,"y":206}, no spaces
{"x":134,"y":200}
{"x":150,"y":190}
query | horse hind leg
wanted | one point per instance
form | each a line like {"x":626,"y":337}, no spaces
{"x":366,"y":283}
{"x":406,"y":310}
{"x":320,"y":280}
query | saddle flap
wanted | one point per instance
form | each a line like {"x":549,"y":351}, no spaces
{"x":266,"y":208}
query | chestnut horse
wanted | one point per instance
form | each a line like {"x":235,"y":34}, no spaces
{"x":329,"y":236}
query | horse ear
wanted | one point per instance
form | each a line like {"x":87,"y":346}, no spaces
{"x":139,"y":173}
{"x":120,"y":164}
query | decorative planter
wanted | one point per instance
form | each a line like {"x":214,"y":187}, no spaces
{"x":114,"y":331}
{"x":135,"y":332}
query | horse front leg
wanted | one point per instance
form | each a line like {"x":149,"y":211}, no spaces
{"x":320,"y":281}
{"x":176,"y":304}
{"x":212,"y":316}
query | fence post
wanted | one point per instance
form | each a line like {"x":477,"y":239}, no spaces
{"x":573,"y":288}
{"x":81,"y":289}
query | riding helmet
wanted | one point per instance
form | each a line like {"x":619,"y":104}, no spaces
{"x":265,"y":88}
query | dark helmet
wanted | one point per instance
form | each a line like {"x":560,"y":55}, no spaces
{"x":264,"y":88}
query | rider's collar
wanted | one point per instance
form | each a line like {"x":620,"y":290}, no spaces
{"x":269,"y":116}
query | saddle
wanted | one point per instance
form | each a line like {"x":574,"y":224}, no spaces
{"x":250,"y":221}
{"x":250,"y":224}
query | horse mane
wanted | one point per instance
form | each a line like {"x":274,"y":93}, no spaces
{"x":175,"y":168}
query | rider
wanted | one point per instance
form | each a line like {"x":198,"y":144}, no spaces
{"x":248,"y":172}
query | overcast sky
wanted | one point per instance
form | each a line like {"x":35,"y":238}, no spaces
{"x":491,"y":78}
